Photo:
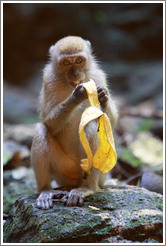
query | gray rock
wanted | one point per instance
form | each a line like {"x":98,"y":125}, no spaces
{"x":17,"y":182}
{"x":152,"y":181}
{"x":116,"y":214}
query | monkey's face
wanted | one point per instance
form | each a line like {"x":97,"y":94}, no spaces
{"x":73,"y":69}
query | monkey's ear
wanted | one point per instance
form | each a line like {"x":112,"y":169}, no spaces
{"x":88,"y":43}
{"x":51,"y":49}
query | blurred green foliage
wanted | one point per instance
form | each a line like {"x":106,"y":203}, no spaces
{"x":145,"y":125}
{"x":126,"y":155}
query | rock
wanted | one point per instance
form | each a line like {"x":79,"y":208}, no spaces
{"x":152,"y":181}
{"x":121,"y":214}
{"x":19,"y":181}
{"x":158,"y":168}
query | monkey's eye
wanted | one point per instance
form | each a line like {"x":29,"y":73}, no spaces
{"x":78,"y":60}
{"x":66,"y":62}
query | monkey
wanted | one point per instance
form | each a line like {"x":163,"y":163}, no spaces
{"x":56,"y":149}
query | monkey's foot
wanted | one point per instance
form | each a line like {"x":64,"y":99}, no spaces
{"x":45,"y":199}
{"x":76,"y":196}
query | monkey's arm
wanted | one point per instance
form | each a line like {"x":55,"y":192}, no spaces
{"x":59,"y":115}
{"x":108,"y":105}
{"x":57,"y":118}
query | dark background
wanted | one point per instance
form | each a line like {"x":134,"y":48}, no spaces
{"x":127,"y":40}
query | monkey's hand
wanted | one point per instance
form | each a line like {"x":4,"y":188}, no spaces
{"x":76,"y":196}
{"x":102,"y":96}
{"x":45,"y":199}
{"x":79,"y":94}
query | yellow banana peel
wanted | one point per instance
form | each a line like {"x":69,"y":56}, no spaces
{"x":105,"y":156}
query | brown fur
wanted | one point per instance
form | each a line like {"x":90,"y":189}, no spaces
{"x":70,"y":45}
{"x":56,"y":148}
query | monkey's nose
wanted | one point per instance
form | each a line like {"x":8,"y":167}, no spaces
{"x":76,"y":76}
{"x":75,"y":73}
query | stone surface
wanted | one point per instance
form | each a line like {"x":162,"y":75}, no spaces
{"x":17,"y":182}
{"x":121,"y":214}
{"x":152,"y":181}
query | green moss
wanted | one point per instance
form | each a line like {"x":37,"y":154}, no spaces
{"x":28,"y":224}
{"x":12,"y":192}
{"x":135,"y":224}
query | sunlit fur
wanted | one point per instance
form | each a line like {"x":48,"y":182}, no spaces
{"x":56,"y":149}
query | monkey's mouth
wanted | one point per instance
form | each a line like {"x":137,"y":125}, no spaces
{"x":75,"y":83}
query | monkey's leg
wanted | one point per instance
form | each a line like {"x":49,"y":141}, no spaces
{"x":92,"y":182}
{"x":41,"y":155}
{"x":89,"y":186}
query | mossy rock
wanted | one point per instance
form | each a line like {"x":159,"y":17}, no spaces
{"x":115,"y":214}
